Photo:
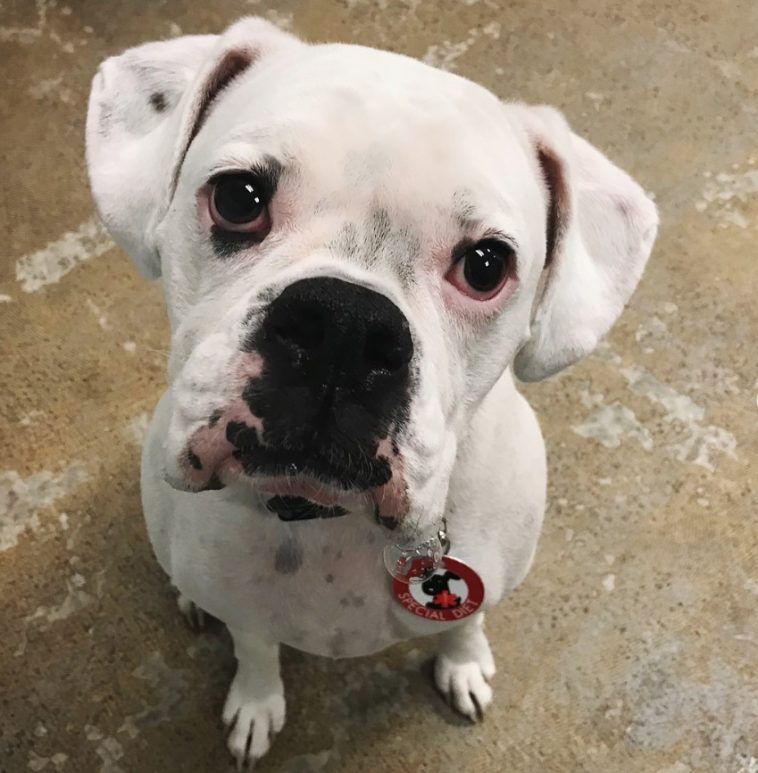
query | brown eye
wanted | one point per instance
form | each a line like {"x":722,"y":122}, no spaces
{"x":482,"y":269}
{"x":239,"y":202}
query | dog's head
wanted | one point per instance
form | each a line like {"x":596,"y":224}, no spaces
{"x":354,"y":248}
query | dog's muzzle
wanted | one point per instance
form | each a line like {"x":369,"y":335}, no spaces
{"x":322,"y":412}
{"x":335,"y":381}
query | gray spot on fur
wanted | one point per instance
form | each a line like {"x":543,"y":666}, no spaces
{"x":380,"y":242}
{"x":346,"y":241}
{"x":158,"y":101}
{"x":289,"y":556}
{"x":378,"y":233}
{"x":329,"y":578}
{"x":463,"y":209}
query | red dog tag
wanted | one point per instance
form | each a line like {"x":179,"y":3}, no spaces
{"x":453,"y":591}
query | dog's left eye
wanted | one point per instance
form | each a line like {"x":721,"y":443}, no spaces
{"x":482,"y":269}
{"x":239,"y":202}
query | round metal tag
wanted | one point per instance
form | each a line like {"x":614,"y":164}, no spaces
{"x":453,"y":591}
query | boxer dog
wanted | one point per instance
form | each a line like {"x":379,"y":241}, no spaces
{"x":359,"y":252}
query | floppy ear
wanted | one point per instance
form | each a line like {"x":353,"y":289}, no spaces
{"x":145,"y":108}
{"x":599,"y":232}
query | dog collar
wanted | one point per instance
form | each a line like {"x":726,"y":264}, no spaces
{"x":413,"y":561}
{"x":431,"y":584}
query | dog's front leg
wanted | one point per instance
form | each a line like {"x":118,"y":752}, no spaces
{"x":254,"y":708}
{"x":464,"y":664}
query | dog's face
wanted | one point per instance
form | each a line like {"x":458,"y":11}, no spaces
{"x":354,"y":248}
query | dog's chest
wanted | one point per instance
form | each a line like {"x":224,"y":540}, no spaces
{"x":320,"y":586}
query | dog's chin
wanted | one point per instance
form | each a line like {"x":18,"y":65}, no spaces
{"x":302,"y":497}
{"x":317,"y":491}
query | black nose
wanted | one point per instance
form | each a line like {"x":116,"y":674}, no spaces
{"x":327,"y":332}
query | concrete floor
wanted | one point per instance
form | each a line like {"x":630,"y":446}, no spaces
{"x":632,"y":645}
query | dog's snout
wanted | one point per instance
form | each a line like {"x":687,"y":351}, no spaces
{"x":330,"y":331}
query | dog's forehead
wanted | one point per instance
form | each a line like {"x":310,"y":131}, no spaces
{"x":364,"y":117}
{"x":344,"y":81}
{"x":382,"y":157}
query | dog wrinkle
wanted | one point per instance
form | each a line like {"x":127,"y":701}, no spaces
{"x":104,"y":119}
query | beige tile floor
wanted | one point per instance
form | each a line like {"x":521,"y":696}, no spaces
{"x":633,"y":644}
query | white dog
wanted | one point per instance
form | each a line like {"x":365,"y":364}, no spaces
{"x":358,"y":253}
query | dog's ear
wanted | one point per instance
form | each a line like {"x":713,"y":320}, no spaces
{"x":145,"y":108}
{"x":599,"y":232}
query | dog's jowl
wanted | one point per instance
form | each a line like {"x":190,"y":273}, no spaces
{"x":359,"y":252}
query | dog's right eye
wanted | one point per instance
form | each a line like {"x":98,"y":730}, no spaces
{"x":239,"y":202}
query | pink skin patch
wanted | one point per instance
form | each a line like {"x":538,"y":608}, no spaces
{"x":208,"y":452}
{"x":391,"y":499}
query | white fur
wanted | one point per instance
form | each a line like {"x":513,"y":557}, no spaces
{"x":366,"y":131}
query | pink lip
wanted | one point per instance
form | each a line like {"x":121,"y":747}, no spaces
{"x":302,"y":486}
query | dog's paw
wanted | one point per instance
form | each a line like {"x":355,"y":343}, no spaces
{"x":253,"y":721}
{"x":464,"y":683}
{"x":194,"y":616}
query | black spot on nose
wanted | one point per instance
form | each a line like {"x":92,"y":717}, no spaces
{"x":326,"y":331}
